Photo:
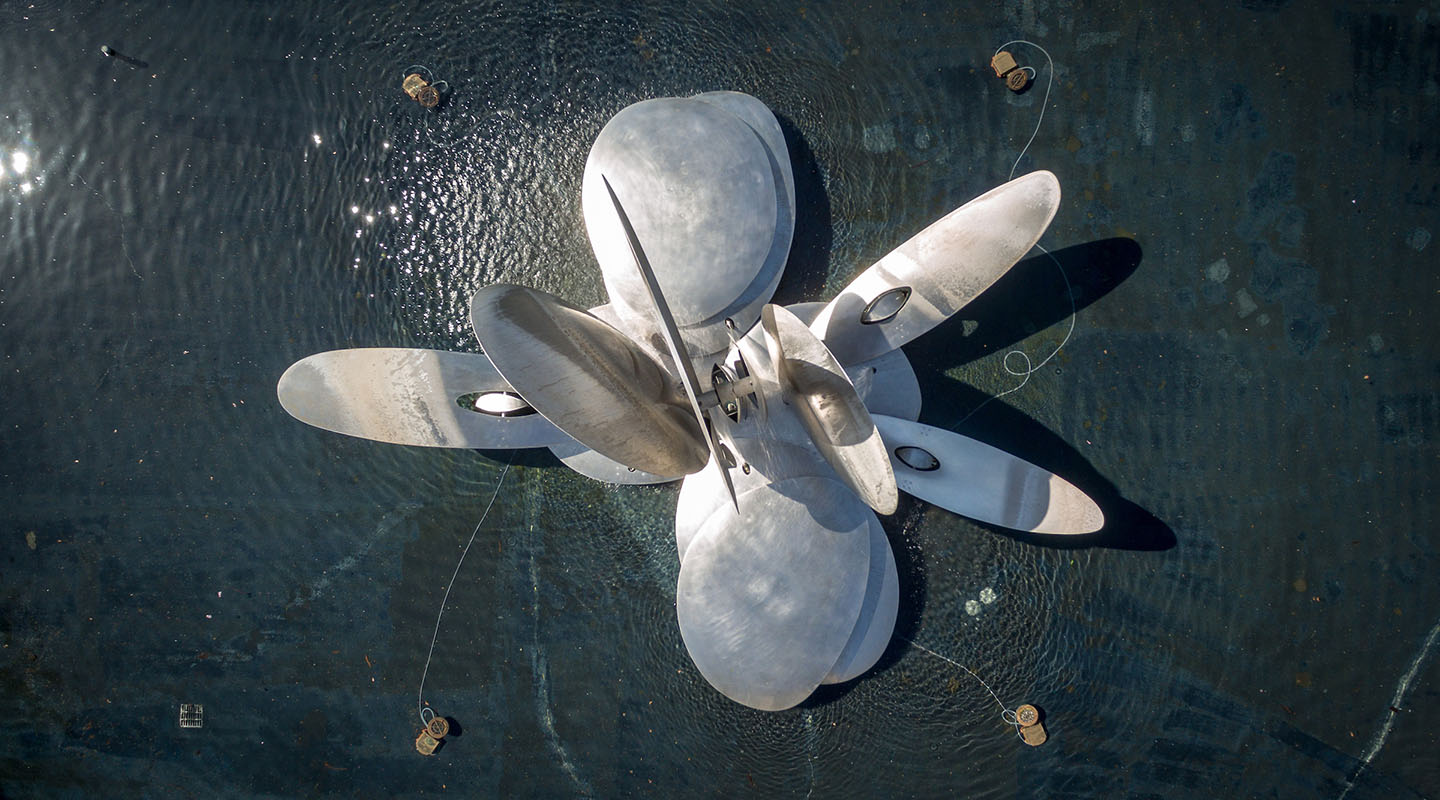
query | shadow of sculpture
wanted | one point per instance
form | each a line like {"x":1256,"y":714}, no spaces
{"x":804,"y":276}
{"x":971,"y":412}
{"x":1031,"y":297}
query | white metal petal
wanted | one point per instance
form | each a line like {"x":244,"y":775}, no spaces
{"x":876,"y":622}
{"x":829,"y":408}
{"x":589,"y":379}
{"x":767,"y":599}
{"x":597,"y":467}
{"x":934,"y":274}
{"x":982,"y":482}
{"x":409,"y":396}
{"x":886,"y":384}
{"x":703,"y":185}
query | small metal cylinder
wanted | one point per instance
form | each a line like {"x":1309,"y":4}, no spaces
{"x":413,"y":84}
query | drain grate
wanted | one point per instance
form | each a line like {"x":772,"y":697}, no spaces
{"x":192,"y":715}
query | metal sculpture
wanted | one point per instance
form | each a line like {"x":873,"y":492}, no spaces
{"x":790,"y":427}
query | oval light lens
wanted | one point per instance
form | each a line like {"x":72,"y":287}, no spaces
{"x":887,"y":305}
{"x":917,"y":459}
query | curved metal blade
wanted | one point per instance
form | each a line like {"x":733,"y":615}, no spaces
{"x":597,"y":467}
{"x":982,"y":482}
{"x":707,"y":180}
{"x":769,"y":459}
{"x":829,"y":408}
{"x":768,"y":598}
{"x":410,"y":396}
{"x":934,"y":274}
{"x":672,"y":338}
{"x":886,"y":384}
{"x":876,"y":622}
{"x":589,"y":379}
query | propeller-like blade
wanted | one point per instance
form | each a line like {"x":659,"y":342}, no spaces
{"x":829,"y":408}
{"x":672,"y":338}
{"x":976,"y":480}
{"x":589,"y":379}
{"x":886,"y":383}
{"x":934,"y":274}
{"x":429,"y":398}
{"x":768,"y":597}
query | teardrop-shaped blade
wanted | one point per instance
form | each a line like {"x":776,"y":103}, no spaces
{"x":829,"y":408}
{"x":985,"y":483}
{"x":876,"y":622}
{"x":589,"y":379}
{"x":768,"y":598}
{"x":934,"y":274}
{"x":428,"y":398}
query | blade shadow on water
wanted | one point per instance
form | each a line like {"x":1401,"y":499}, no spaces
{"x":1031,"y":297}
{"x":805,"y":271}
{"x":1127,"y":525}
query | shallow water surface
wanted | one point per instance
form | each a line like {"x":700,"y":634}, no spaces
{"x":1250,"y":390}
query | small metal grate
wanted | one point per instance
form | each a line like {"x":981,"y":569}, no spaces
{"x":192,"y":715}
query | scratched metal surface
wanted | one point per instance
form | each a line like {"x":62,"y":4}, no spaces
{"x":1250,"y":194}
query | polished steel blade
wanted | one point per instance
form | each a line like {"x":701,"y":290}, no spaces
{"x":985,"y":483}
{"x":671,"y":336}
{"x":886,"y":384}
{"x":768,"y":598}
{"x":410,"y":396}
{"x":769,"y":460}
{"x":934,"y":274}
{"x":589,"y":379}
{"x":706,"y":180}
{"x":597,"y":467}
{"x":878,"y":611}
{"x":829,"y":408}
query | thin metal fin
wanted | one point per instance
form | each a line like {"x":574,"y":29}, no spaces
{"x":672,"y":340}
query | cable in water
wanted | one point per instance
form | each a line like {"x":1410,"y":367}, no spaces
{"x":1005,"y":713}
{"x":420,"y":698}
{"x":1024,"y":373}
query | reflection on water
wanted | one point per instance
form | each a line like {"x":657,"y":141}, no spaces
{"x":172,"y":238}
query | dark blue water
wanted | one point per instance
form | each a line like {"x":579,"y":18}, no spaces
{"x":1250,"y":391}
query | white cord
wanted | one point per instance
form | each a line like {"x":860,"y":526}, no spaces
{"x":420,"y":699}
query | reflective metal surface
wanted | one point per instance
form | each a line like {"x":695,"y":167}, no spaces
{"x":876,"y":622}
{"x":767,"y":599}
{"x":764,"y":460}
{"x":707,"y":185}
{"x":407,"y":396}
{"x":886,"y":384}
{"x":945,"y":266}
{"x":597,"y":467}
{"x":659,"y":307}
{"x":589,"y":379}
{"x":988,"y":484}
{"x":829,"y":408}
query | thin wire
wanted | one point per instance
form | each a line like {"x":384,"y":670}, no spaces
{"x":1028,"y":370}
{"x":1005,"y":713}
{"x":1049,"y":82}
{"x":420,"y":697}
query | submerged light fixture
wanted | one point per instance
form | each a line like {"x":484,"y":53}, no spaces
{"x":791,"y":427}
